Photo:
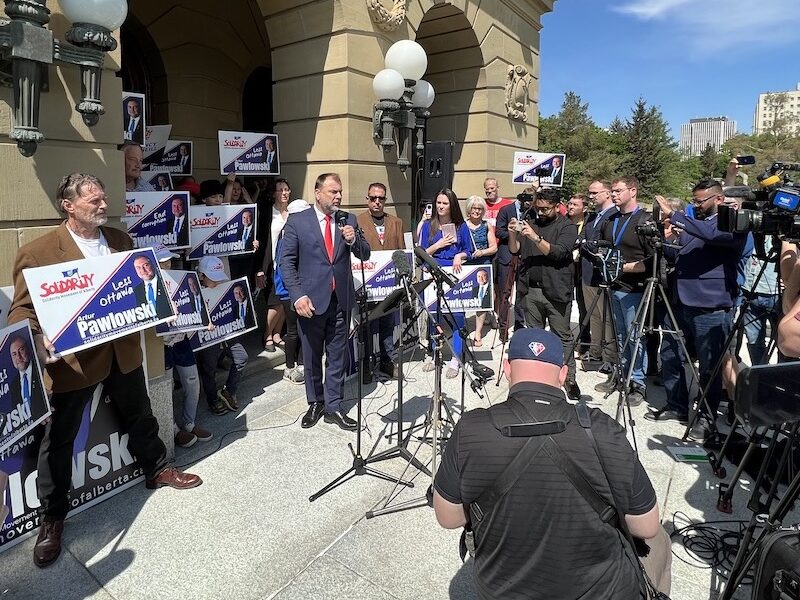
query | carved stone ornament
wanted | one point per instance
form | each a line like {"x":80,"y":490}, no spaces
{"x":517,"y":83}
{"x":387,"y":20}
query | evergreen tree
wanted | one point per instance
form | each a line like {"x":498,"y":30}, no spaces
{"x":651,"y":153}
{"x":709,"y":160}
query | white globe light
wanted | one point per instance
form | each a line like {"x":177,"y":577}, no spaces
{"x":388,"y":84}
{"x":423,"y":94}
{"x":407,"y":58}
{"x":106,"y":13}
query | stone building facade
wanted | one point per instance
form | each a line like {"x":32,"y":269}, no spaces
{"x":303,"y":68}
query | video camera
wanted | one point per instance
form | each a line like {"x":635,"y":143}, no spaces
{"x":773,"y":208}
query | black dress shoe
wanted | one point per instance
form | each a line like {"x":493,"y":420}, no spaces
{"x":342,"y":420}
{"x":573,"y":391}
{"x":313,"y":414}
{"x":666,"y":414}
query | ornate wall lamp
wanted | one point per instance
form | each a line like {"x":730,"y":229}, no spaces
{"x":27,"y":47}
{"x":403,"y":100}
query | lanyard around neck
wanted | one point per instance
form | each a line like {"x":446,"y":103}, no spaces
{"x":618,"y":238}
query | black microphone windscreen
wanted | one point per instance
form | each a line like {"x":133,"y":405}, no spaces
{"x":738,"y":191}
{"x":341,"y":217}
{"x":400,"y":262}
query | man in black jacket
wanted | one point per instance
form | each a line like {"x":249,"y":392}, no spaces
{"x":620,"y":229}
{"x":544,"y":245}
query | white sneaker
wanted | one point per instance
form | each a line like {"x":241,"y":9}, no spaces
{"x":294,"y":376}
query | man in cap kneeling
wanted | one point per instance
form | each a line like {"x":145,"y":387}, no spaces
{"x":541,"y":538}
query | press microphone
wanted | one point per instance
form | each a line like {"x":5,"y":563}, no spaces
{"x":433,"y":267}
{"x":738,"y":191}
{"x":341,"y":218}
{"x":401,"y":264}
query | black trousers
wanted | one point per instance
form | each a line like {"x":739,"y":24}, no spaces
{"x":128,"y":395}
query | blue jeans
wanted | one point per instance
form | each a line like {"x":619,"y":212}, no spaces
{"x":624,"y":305}
{"x":760,"y":310}
{"x":708,"y":329}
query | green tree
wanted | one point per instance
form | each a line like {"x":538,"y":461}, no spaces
{"x":650,"y":152}
{"x":709,"y":160}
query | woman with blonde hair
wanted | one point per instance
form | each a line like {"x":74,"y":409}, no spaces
{"x":484,"y":247}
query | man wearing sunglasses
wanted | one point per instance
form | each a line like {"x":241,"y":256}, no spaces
{"x":706,"y":266}
{"x":382,"y":231}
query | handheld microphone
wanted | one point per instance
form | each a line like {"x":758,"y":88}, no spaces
{"x":433,"y":267}
{"x":341,"y":218}
{"x":401,"y":264}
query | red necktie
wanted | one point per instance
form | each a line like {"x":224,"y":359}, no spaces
{"x":329,"y":244}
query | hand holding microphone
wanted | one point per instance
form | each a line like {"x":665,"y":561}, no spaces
{"x":348,"y":231}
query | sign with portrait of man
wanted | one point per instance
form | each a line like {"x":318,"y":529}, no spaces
{"x":160,"y":180}
{"x":187,"y":296}
{"x":133,"y":117}
{"x":230,"y":305}
{"x":175,"y":158}
{"x":156,"y":218}
{"x":538,"y":167}
{"x":473,"y":292}
{"x":221,"y":230}
{"x":23,"y":401}
{"x":246,"y":153}
{"x":87,"y":302}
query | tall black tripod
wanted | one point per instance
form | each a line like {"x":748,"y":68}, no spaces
{"x":644,"y":321}
{"x":360,"y":464}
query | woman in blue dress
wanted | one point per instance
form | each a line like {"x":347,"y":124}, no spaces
{"x":446,"y":237}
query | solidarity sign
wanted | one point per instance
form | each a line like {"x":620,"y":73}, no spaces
{"x":221,"y":230}
{"x":230,"y":305}
{"x":379,"y":273}
{"x":473,"y":292}
{"x":83,"y":303}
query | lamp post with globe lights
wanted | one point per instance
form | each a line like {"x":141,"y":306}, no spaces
{"x":403,"y":100}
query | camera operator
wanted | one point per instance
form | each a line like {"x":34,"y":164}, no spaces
{"x":622,"y":231}
{"x":544,"y":245}
{"x":541,"y":539}
{"x":789,"y":327}
{"x":600,"y":194}
{"x":706,"y":270}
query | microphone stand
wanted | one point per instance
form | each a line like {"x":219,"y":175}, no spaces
{"x":360,"y":464}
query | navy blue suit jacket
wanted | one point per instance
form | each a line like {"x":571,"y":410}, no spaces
{"x":305,"y":267}
{"x":706,"y":263}
{"x":504,"y":217}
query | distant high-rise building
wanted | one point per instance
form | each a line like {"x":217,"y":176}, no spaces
{"x":778,"y":112}
{"x":699,"y":133}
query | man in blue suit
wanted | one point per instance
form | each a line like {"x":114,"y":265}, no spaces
{"x":705,"y":289}
{"x":315,"y":266}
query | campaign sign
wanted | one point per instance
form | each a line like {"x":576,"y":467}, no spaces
{"x":155,"y":139}
{"x":221,"y":230}
{"x":133,"y":118}
{"x":230,"y":305}
{"x":184,"y":290}
{"x":379,"y":272}
{"x":158,"y":218}
{"x":246,"y":153}
{"x":160,"y":180}
{"x":102,"y":467}
{"x":176,"y":158}
{"x":87,"y":302}
{"x":23,"y":402}
{"x":526,"y":164}
{"x":473,"y":292}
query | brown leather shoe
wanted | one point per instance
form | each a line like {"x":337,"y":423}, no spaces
{"x":174,"y":479}
{"x":48,"y":544}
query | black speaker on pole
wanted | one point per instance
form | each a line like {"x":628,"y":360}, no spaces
{"x":437,"y":171}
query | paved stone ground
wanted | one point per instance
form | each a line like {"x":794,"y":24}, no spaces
{"x":250,"y":532}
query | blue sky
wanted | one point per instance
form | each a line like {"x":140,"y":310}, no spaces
{"x":691,"y":58}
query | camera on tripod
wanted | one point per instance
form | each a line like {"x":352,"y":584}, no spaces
{"x":773,"y":208}
{"x":652,"y":231}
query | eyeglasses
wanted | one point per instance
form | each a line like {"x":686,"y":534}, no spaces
{"x":702,"y":200}
{"x":545,"y":209}
{"x":619,"y":191}
{"x":377,"y":198}
{"x":478,"y":208}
